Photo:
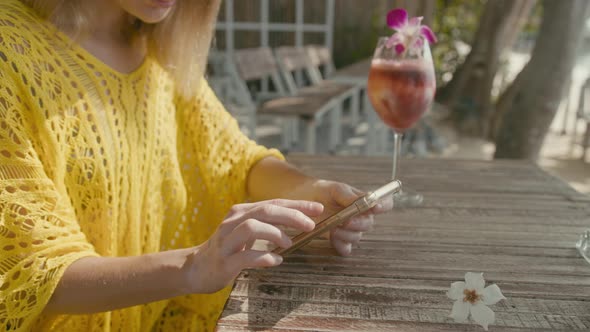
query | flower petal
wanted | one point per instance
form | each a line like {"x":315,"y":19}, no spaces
{"x":475,"y":281}
{"x":482,"y":315}
{"x":393,"y":40}
{"x":428,"y":34}
{"x":397,"y":18}
{"x":492,"y":294}
{"x":456,"y":291}
{"x":419,"y":43}
{"x":460,"y":311}
{"x":400,"y":48}
{"x":415,"y":21}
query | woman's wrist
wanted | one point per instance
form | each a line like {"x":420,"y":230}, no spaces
{"x":98,"y":284}
{"x":274,"y":178}
{"x":306,"y":189}
{"x":182,"y":266}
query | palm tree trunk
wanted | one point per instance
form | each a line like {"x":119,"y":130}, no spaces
{"x":532,"y":101}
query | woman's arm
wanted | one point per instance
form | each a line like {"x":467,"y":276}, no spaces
{"x":97,"y":284}
{"x":274,"y":178}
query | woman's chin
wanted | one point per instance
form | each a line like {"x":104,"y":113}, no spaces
{"x":154,"y":14}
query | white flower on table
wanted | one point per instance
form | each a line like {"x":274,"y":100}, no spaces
{"x":471,"y":296}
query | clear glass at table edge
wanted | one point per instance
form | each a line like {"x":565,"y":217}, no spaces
{"x":583,"y":245}
{"x":401,"y":88}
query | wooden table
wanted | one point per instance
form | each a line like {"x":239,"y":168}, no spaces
{"x":357,"y":70}
{"x":508,"y":219}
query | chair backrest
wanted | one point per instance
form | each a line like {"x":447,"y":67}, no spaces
{"x":258,"y":64}
{"x":232,"y":91}
{"x":292,"y":61}
{"x":321,"y":56}
{"x":292,"y":58}
{"x":255,"y":63}
{"x":218,"y":75}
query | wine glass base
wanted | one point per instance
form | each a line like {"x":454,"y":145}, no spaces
{"x":405,"y":199}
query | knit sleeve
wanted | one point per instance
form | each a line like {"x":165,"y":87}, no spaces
{"x":211,"y":140}
{"x":215,"y":159}
{"x":39,"y":233}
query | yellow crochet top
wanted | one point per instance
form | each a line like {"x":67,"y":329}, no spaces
{"x":97,"y":162}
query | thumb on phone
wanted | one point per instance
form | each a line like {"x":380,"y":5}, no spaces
{"x":344,"y":194}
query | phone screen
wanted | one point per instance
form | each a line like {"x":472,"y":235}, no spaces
{"x":359,"y":206}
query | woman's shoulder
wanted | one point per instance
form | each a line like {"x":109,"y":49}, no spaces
{"x":16,"y":16}
{"x":20,"y":33}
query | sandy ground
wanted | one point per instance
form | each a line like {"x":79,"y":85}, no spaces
{"x":559,"y":156}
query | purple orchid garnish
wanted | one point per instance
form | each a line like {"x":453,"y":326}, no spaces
{"x":409,"y":33}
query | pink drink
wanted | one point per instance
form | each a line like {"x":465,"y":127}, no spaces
{"x":401,"y":91}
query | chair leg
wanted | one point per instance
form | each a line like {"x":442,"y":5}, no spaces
{"x":335,"y":127}
{"x":354,"y":107}
{"x":340,"y":113}
{"x":286,"y":134}
{"x":573,"y":137}
{"x":310,"y":127}
{"x":586,"y":141}
{"x":252,"y":125}
{"x":294,"y":131}
{"x":383,"y":138}
{"x":372,"y":122}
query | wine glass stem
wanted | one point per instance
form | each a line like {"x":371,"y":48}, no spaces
{"x":397,"y":147}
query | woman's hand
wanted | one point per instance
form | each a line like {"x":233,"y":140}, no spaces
{"x":335,"y":196}
{"x":214,"y":264}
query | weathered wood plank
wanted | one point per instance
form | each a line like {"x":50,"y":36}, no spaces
{"x":396,"y":297}
{"x":375,"y":326}
{"x":388,"y":261}
{"x":382,"y":311}
{"x":375,"y":249}
{"x":373,"y":270}
{"x":400,"y":220}
{"x":474,"y":237}
{"x":332,"y":317}
{"x":378,"y":326}
{"x":419,"y":279}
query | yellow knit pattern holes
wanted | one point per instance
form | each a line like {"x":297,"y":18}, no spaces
{"x":97,"y":162}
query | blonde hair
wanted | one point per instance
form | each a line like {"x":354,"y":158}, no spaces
{"x":180,"y":42}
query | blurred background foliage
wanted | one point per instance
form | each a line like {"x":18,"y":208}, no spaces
{"x":455,"y":23}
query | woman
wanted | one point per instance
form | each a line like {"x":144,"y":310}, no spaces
{"x":122,"y":178}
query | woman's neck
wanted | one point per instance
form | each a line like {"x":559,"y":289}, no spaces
{"x":107,"y":21}
{"x":108,"y":36}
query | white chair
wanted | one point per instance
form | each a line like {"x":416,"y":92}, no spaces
{"x":307,"y":105}
{"x":293,"y":61}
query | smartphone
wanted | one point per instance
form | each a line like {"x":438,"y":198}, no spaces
{"x":361,"y":205}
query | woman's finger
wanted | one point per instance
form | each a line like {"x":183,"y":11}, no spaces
{"x":362,"y":223}
{"x":249,"y":244}
{"x":308,"y":208}
{"x":343,"y":248}
{"x":358,"y":192}
{"x":384,"y":205}
{"x":344,"y":235}
{"x":248,"y":259}
{"x":273,"y":211}
{"x":279,"y":215}
{"x":251,"y":230}
{"x":344,"y":194}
